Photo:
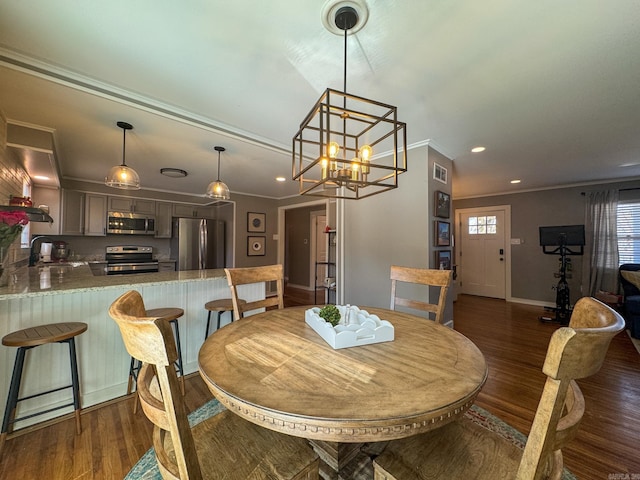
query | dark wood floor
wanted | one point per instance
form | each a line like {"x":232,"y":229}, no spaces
{"x":513,"y":341}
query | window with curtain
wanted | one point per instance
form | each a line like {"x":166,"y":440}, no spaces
{"x":629,"y":232}
{"x":602,"y":247}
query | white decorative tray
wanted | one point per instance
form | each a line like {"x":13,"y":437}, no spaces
{"x":363,"y":328}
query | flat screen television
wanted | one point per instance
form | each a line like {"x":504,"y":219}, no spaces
{"x":568,"y":235}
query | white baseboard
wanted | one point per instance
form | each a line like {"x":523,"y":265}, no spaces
{"x":527,"y":301}
{"x":300,"y":287}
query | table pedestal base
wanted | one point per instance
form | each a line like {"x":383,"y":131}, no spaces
{"x":346,"y":461}
{"x":334,"y":457}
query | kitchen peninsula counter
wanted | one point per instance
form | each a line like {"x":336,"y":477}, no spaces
{"x":77,"y":276}
{"x":71,"y":293}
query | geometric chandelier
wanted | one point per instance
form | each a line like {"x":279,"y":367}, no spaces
{"x":333,"y":151}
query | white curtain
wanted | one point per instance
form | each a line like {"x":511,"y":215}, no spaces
{"x":601,"y":271}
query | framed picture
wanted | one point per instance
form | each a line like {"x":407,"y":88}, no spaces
{"x":440,"y":173}
{"x":255,"y":246}
{"x":443,"y":259}
{"x":443,"y":200}
{"x":443,"y":234}
{"x":256,"y":222}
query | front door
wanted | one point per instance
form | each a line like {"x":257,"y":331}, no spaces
{"x":481,"y":252}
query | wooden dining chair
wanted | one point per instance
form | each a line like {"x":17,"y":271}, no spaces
{"x":245,"y":276}
{"x":422,"y":276}
{"x":222,"y":446}
{"x":464,"y":449}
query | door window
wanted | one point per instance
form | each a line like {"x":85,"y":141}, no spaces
{"x":482,"y":225}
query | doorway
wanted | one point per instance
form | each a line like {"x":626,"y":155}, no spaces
{"x":483,"y":254}
{"x":298,"y":231}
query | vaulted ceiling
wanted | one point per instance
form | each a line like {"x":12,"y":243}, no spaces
{"x":549,"y":88}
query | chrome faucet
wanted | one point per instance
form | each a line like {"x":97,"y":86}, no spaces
{"x":34,"y":254}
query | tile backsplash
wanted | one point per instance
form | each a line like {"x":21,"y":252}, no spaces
{"x":12,"y":177}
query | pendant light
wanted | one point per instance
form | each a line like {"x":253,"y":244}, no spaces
{"x":333,"y":151}
{"x":121,"y":176}
{"x":218,"y":189}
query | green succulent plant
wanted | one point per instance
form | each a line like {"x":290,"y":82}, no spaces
{"x":331,"y":314}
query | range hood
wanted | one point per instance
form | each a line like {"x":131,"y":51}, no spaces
{"x":34,"y":148}
{"x":34,"y":214}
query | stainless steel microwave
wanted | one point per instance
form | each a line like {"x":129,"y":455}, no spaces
{"x":131,"y":223}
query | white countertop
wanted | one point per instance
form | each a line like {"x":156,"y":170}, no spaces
{"x":56,"y":278}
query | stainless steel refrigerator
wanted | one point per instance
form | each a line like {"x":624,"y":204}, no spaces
{"x":198,"y":243}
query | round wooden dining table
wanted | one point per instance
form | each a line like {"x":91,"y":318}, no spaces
{"x":275,"y":371}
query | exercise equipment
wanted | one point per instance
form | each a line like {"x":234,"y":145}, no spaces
{"x":557,"y":240}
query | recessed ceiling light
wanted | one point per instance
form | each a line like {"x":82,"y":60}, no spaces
{"x":173,"y":172}
{"x":41,"y":177}
{"x":478,"y":149}
{"x":516,"y":181}
{"x":280,"y":179}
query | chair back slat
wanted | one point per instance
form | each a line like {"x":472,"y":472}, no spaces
{"x":578,"y":351}
{"x":422,"y":276}
{"x":250,"y":275}
{"x":570,"y":422}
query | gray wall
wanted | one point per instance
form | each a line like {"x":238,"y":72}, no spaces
{"x":434,"y":186}
{"x":245,"y":204}
{"x":532,"y":272}
{"x":392,"y":228}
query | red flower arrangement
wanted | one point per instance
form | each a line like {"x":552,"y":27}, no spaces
{"x":11,"y":223}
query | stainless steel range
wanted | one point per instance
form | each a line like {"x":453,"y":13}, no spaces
{"x":125,"y":259}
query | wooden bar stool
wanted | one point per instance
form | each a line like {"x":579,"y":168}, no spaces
{"x":220,"y":306}
{"x":27,"y":339}
{"x":171,"y":314}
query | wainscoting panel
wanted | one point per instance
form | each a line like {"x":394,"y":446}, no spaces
{"x":102,"y":359}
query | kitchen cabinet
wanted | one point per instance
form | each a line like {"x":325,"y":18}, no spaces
{"x":72,"y":216}
{"x":164,"y":214}
{"x":132,"y":205}
{"x":51,"y":198}
{"x":195,"y":211}
{"x":83,"y":213}
{"x":95,"y":218}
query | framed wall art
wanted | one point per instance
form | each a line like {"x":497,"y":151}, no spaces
{"x":443,"y":234}
{"x":440,"y":173}
{"x":256,"y":222}
{"x":443,"y":202}
{"x":443,"y":259}
{"x":255,"y":246}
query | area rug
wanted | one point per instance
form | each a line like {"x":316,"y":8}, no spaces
{"x":147,"y":467}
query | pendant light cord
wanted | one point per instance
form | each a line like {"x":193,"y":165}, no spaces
{"x":124,"y":142}
{"x":345,"y":61}
{"x":218,"y":167}
{"x":344,"y":98}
